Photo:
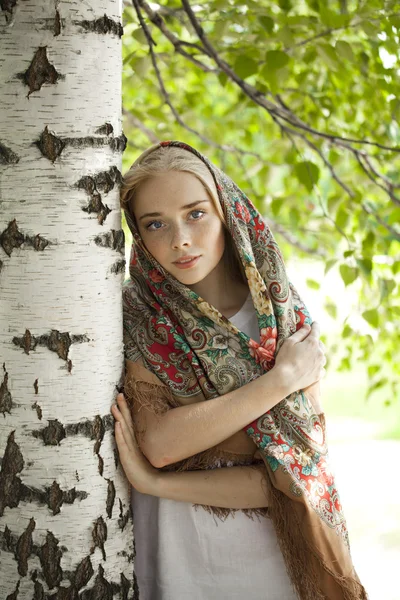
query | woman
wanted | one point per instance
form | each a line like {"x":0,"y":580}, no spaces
{"x":232,"y":498}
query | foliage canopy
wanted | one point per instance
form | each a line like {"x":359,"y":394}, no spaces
{"x":299,"y":102}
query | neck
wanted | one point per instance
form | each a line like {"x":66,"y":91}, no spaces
{"x":222,"y":291}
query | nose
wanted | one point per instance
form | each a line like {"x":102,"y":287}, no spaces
{"x":180,"y":238}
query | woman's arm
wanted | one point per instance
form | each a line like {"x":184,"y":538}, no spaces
{"x":226,"y":487}
{"x":184,"y":431}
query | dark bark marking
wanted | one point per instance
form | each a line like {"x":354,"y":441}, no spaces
{"x":50,"y":145}
{"x":100,"y":464}
{"x":40,"y":71}
{"x":7,"y":539}
{"x":10,"y":484}
{"x":57,"y":24}
{"x":36,"y":386}
{"x":83,"y":573}
{"x":5,"y":395}
{"x":38,"y":410}
{"x":14,"y":595}
{"x":52,"y":497}
{"x":106,"y":129}
{"x":135,"y":587}
{"x":7,"y":6}
{"x":98,"y":432}
{"x":92,"y":429}
{"x":114,"y":239}
{"x":50,"y":557}
{"x":56,"y":498}
{"x":55,"y":341}
{"x":24,"y":548}
{"x":110,"y":498}
{"x":125,"y":587}
{"x":101,"y":182}
{"x":102,"y":25}
{"x":38,"y":591}
{"x":118,"y":267}
{"x":1,"y":265}
{"x":124,"y":518}
{"x":115,"y":143}
{"x":116,"y":457}
{"x":37,"y":242}
{"x":7,"y":156}
{"x":52,"y":434}
{"x":11,"y":238}
{"x":102,"y":589}
{"x":99,"y":535}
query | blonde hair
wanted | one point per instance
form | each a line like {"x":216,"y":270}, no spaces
{"x":155,"y":162}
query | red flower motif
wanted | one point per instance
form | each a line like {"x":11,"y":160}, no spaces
{"x":134,"y":259}
{"x":258,"y":226}
{"x":325,"y":471}
{"x":242,"y":211}
{"x":155,"y":276}
{"x":166,"y":143}
{"x":264,"y":353}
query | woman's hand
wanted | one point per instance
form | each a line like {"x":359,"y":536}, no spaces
{"x":140,"y":473}
{"x":301,"y":358}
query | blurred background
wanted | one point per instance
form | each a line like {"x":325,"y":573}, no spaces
{"x":299,"y":103}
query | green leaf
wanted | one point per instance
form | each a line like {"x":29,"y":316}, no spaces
{"x":276,"y":59}
{"x":376,"y":386}
{"x":347,"y":331}
{"x":139,"y":35}
{"x":314,"y":285}
{"x":349,"y":274}
{"x":307,"y":173}
{"x":331,"y":309}
{"x":245,"y":66}
{"x":222,"y":78}
{"x":267,"y":23}
{"x":372,"y":369}
{"x":276,"y":205}
{"x":386,"y":287}
{"x":328,"y":55}
{"x":329,"y":264}
{"x":372,"y":317}
{"x":365,"y":265}
{"x":342,"y":216}
{"x":140,"y":65}
{"x":344,"y":50}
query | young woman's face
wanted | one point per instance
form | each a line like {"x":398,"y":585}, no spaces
{"x":174,"y":230}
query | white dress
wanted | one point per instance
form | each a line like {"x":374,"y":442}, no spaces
{"x":186,"y":553}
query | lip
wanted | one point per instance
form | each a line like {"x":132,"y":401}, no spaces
{"x":187,"y":265}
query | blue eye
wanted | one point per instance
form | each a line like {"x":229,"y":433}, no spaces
{"x":203,"y":212}
{"x":152,"y":223}
{"x":150,"y":228}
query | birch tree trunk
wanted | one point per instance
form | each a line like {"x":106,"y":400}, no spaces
{"x":65,"y":522}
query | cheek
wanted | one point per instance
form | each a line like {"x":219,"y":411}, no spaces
{"x":155,"y":245}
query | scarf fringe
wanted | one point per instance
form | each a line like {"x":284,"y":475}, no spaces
{"x":304,"y":573}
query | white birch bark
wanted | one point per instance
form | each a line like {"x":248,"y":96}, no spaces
{"x":65,"y":524}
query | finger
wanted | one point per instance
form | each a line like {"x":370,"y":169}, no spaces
{"x":128,"y":435}
{"x":123,"y":449}
{"x":315,"y":330}
{"x":301,"y":333}
{"x":125,"y":410}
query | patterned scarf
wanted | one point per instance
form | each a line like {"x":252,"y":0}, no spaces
{"x":192,"y":347}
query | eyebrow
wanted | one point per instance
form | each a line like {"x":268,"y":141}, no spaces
{"x":157,"y":214}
